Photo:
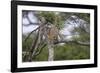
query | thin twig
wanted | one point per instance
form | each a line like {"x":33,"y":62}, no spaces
{"x":30,"y":34}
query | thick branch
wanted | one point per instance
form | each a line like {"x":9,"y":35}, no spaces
{"x":40,"y":50}
{"x":75,"y":42}
{"x":36,"y":43}
{"x":33,"y":47}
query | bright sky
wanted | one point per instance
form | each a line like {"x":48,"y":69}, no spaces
{"x":25,"y":21}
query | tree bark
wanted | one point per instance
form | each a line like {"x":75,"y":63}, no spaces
{"x":35,"y":44}
{"x":50,"y":51}
{"x":49,"y":46}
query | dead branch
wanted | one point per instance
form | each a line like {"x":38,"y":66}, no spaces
{"x":74,"y":42}
{"x":42,"y":26}
{"x":40,"y":50}
{"x":30,"y":34}
{"x":33,"y":47}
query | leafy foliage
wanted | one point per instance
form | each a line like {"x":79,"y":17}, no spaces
{"x":61,"y":52}
{"x":54,"y":18}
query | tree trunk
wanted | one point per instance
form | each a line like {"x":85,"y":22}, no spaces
{"x":50,"y":52}
{"x":49,"y":45}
